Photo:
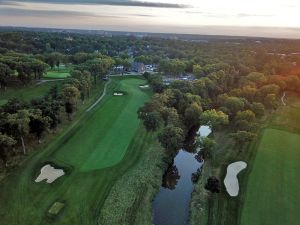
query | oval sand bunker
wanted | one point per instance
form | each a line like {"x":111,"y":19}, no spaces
{"x":49,"y":173}
{"x":231,"y":181}
{"x":118,"y":94}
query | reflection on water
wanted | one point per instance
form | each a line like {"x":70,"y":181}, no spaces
{"x":171,"y":205}
{"x":204,"y":131}
{"x":170,"y":178}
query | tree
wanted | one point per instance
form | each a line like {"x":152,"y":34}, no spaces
{"x":126,"y":64}
{"x":243,"y":137}
{"x":98,"y":66}
{"x":213,"y":118}
{"x":256,"y":77}
{"x":234,"y":104}
{"x":6,"y":143}
{"x":197,"y":70}
{"x":152,"y":121}
{"x":5,"y":73}
{"x":25,"y":72}
{"x":58,"y":59}
{"x":192,"y":115}
{"x":271,"y":89}
{"x":19,"y":124}
{"x":38,"y":68}
{"x":13,"y":105}
{"x":170,"y":116}
{"x":171,"y":138}
{"x":271,"y":101}
{"x":53,"y":92}
{"x":50,"y":108}
{"x":213,"y":185}
{"x":247,"y":115}
{"x":156,"y":83}
{"x":84,"y":82}
{"x":38,"y":123}
{"x":258,"y":108}
{"x":207,"y":146}
{"x":70,"y":95}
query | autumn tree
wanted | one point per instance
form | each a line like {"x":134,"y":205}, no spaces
{"x":213,"y":118}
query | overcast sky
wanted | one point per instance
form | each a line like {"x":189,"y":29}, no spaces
{"x":271,"y":18}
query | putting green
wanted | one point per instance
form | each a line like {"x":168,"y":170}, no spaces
{"x":273,"y":195}
{"x":96,"y":151}
{"x":57,"y":75}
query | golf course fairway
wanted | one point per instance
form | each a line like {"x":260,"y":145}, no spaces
{"x":272,"y":192}
{"x":93,"y":153}
{"x":273,"y":188}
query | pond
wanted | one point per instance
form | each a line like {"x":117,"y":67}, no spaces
{"x":171,"y":204}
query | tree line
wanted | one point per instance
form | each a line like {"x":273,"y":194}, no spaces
{"x":26,"y":122}
{"x":221,"y":99}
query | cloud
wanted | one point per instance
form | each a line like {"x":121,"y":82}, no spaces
{"x":104,"y":2}
{"x":142,"y":15}
{"x":49,"y":13}
{"x":208,"y":14}
{"x":220,"y":15}
{"x":9,"y":3}
{"x":251,"y":15}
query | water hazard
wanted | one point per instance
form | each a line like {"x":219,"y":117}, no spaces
{"x":171,"y":205}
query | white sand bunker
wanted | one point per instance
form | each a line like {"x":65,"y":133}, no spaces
{"x":49,"y":173}
{"x":144,"y":86}
{"x":231,"y":181}
{"x":118,"y":94}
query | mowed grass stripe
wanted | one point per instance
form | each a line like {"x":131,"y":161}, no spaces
{"x":273,"y":195}
{"x":103,"y":139}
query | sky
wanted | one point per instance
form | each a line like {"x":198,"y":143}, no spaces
{"x":267,"y":18}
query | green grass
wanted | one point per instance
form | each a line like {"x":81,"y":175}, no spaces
{"x":130,"y":200}
{"x":56,"y":208}
{"x":92,"y":165}
{"x":57,"y":75}
{"x":28,"y":92}
{"x":221,"y":209}
{"x":108,"y":132}
{"x":274,"y":181}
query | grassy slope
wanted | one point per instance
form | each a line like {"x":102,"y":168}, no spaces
{"x":274,"y":181}
{"x":221,"y":209}
{"x":130,"y":200}
{"x":83,"y":191}
{"x":28,"y":92}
